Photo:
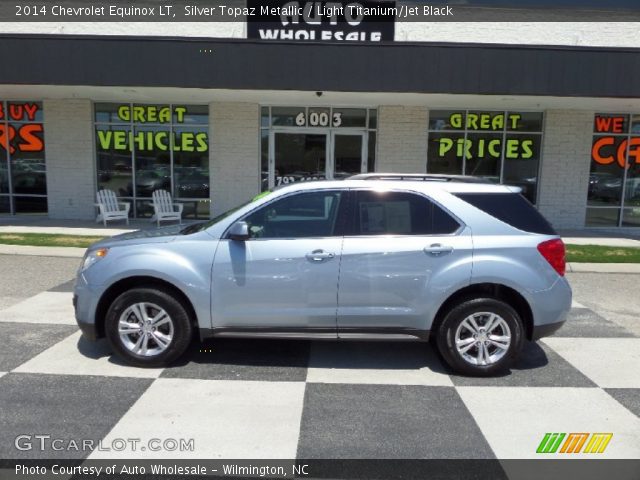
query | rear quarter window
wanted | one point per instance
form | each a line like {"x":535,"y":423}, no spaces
{"x":511,"y":208}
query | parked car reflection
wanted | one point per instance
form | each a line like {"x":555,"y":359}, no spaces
{"x":149,"y":181}
{"x":195,"y":185}
{"x":609,"y":188}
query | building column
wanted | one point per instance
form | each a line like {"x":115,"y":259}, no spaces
{"x":70,"y":158}
{"x":234,"y":154}
{"x":566,"y":159}
{"x":402,"y":139}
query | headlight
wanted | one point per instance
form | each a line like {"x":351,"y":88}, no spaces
{"x":92,"y":257}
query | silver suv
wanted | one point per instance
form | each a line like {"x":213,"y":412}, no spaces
{"x":472,"y":266}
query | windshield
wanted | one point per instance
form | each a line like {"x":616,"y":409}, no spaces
{"x":198,"y":227}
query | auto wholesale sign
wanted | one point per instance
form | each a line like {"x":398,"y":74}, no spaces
{"x":348,"y":22}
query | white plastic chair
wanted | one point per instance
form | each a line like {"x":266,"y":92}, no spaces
{"x":165,"y":208}
{"x":110,"y":208}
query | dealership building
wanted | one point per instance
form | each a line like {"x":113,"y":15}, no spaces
{"x":216,"y":112}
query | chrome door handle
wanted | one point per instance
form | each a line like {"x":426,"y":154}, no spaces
{"x":438,"y":249}
{"x":319,"y":256}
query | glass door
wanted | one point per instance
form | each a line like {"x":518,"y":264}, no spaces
{"x":349,"y":155}
{"x":298,"y":157}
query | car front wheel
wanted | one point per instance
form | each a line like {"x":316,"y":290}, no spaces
{"x":148,"y":327}
{"x":480,"y":337}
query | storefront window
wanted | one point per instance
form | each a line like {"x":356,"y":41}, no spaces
{"x":143,"y":148}
{"x":23,"y":180}
{"x":314,"y":143}
{"x":613,"y":197}
{"x":503,"y":146}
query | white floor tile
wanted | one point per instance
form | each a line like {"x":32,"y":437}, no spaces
{"x":375,"y":363}
{"x":77,"y":356}
{"x":608,"y":362}
{"x":45,"y":307}
{"x":515,"y":420}
{"x":225,"y":418}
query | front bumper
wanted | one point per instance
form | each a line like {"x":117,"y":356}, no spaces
{"x":85,"y":302}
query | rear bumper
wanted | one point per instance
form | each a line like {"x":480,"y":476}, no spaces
{"x":550,"y":309}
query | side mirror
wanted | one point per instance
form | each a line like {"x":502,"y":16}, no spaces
{"x":239,"y":231}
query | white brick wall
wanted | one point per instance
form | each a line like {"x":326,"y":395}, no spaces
{"x":566,"y":154}
{"x":70,"y":158}
{"x":234,"y":154}
{"x":402,"y":139}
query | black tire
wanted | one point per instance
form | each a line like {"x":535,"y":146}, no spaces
{"x":445,"y":336}
{"x":178,"y":316}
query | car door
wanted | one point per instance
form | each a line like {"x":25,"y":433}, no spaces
{"x":401,"y":254}
{"x":285,"y":277}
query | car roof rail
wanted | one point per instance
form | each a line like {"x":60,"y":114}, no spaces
{"x":426,"y":177}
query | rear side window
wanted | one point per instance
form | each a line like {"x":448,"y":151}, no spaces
{"x":511,"y":208}
{"x":399,"y":213}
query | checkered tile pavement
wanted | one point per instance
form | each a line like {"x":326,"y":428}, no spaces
{"x":293,"y":399}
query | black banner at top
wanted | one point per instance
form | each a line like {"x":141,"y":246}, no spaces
{"x":303,"y":21}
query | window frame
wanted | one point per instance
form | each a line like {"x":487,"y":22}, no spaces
{"x":351,"y":220}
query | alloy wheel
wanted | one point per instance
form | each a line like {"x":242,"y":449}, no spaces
{"x":483,"y":338}
{"x":145,"y":329}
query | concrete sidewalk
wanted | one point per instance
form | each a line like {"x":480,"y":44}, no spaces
{"x":69,"y":252}
{"x":39,"y":224}
{"x":86,"y":232}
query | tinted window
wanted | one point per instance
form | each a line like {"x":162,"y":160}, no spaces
{"x":443,"y":223}
{"x":311,"y":214}
{"x":399,"y":213}
{"x":511,"y":208}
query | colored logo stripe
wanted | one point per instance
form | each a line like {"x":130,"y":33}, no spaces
{"x":550,"y":443}
{"x":574,"y":442}
{"x":598,"y":442}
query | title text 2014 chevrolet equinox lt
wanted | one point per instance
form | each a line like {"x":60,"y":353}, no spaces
{"x":473,"y":266}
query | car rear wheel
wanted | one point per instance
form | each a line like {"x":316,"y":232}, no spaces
{"x":480,"y":337}
{"x":148,"y":327}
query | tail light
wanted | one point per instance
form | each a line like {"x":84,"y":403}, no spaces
{"x":553,"y":251}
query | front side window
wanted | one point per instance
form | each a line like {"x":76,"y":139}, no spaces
{"x":399,"y":213}
{"x":302,"y":215}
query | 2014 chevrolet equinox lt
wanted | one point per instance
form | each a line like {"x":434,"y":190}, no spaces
{"x":472,"y":266}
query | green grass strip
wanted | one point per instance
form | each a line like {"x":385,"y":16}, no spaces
{"x":602,"y":254}
{"x":47,"y":240}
